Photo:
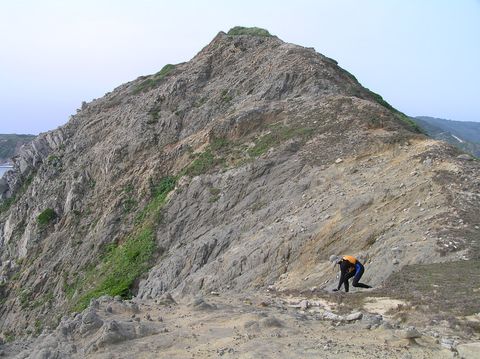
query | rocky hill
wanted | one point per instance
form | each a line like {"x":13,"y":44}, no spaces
{"x":464,"y":135}
{"x":10,"y":145}
{"x":237,"y":172}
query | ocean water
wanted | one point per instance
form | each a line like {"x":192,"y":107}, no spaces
{"x":3,"y":170}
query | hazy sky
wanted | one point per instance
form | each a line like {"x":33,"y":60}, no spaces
{"x":422,"y":56}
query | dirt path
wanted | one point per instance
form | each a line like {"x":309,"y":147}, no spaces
{"x":260,"y":325}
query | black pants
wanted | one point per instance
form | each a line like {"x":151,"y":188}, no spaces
{"x":356,"y":274}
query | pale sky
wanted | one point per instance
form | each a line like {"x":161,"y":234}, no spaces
{"x":423,"y":56}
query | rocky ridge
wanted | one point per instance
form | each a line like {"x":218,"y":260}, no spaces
{"x":244,"y":168}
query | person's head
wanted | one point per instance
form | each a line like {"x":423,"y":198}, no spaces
{"x":335,"y":259}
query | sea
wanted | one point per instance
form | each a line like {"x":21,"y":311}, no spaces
{"x":4,"y":169}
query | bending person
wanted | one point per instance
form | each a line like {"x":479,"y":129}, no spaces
{"x":349,"y":267}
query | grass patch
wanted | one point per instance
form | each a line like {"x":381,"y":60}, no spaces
{"x":9,"y":336}
{"x":410,"y":123}
{"x":401,"y":116}
{"x":54,"y":160}
{"x":204,"y":162}
{"x":447,"y":288}
{"x":277,"y":135}
{"x":128,"y":203}
{"x":154,"y":80}
{"x":226,"y":96}
{"x":200,"y":102}
{"x":46,"y":217}
{"x":123,"y":263}
{"x":47,"y":298}
{"x":121,"y":266}
{"x":25,"y":298}
{"x":8,"y":202}
{"x":252,"y":31}
{"x":214,"y":195}
{"x":38,"y":327}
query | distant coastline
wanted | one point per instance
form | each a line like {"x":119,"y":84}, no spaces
{"x":4,"y":167}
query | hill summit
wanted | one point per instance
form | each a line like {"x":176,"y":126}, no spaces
{"x":239,"y":171}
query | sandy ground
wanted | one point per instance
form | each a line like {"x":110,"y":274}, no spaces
{"x":250,"y":327}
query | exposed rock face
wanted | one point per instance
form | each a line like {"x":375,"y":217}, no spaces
{"x":10,"y":144}
{"x":250,"y":130}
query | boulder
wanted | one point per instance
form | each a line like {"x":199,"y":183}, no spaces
{"x":354,"y":316}
{"x":411,"y":333}
{"x":469,"y":350}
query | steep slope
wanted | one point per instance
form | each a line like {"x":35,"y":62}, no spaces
{"x":464,"y":135}
{"x":10,"y":145}
{"x":246,"y":167}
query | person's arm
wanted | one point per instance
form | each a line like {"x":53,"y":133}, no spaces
{"x":343,"y":272}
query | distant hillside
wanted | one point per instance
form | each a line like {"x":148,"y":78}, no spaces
{"x":10,"y":144}
{"x":464,"y":135}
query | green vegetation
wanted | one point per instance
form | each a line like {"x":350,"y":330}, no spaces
{"x":214,"y":194}
{"x":408,"y":121}
{"x":123,"y":263}
{"x":401,"y":116}
{"x":128,"y":203}
{"x":154,"y":80}
{"x":200,"y":102}
{"x":225,"y":96}
{"x":53,"y":160}
{"x":154,"y":114}
{"x":202,"y":164}
{"x":252,"y":31}
{"x":47,"y":298}
{"x":8,"y":336}
{"x":8,"y":202}
{"x":120,"y":267}
{"x":24,"y":297}
{"x":46,"y":217}
{"x":38,"y":327}
{"x":278,"y":134}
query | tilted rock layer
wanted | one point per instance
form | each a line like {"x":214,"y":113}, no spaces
{"x":279,"y":158}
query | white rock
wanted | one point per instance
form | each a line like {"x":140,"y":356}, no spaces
{"x":304,"y":304}
{"x":469,"y":350}
{"x":354,"y":316}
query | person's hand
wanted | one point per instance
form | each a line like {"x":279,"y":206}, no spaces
{"x":335,"y":290}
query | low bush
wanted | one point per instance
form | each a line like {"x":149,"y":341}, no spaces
{"x":154,"y":80}
{"x":277,"y":135}
{"x":252,"y":31}
{"x":47,"y":216}
{"x":123,"y":263}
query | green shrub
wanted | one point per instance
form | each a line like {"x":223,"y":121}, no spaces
{"x":277,"y":135}
{"x":217,"y":143}
{"x":46,"y":217}
{"x":8,"y":202}
{"x":401,"y":116}
{"x":252,"y":31}
{"x":202,"y":164}
{"x":53,"y":160}
{"x":154,"y":80}
{"x":412,"y":124}
{"x":9,"y":336}
{"x":121,"y":266}
{"x":214,"y":194}
{"x":38,"y":327}
{"x":123,"y":263}
{"x":226,"y":97}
